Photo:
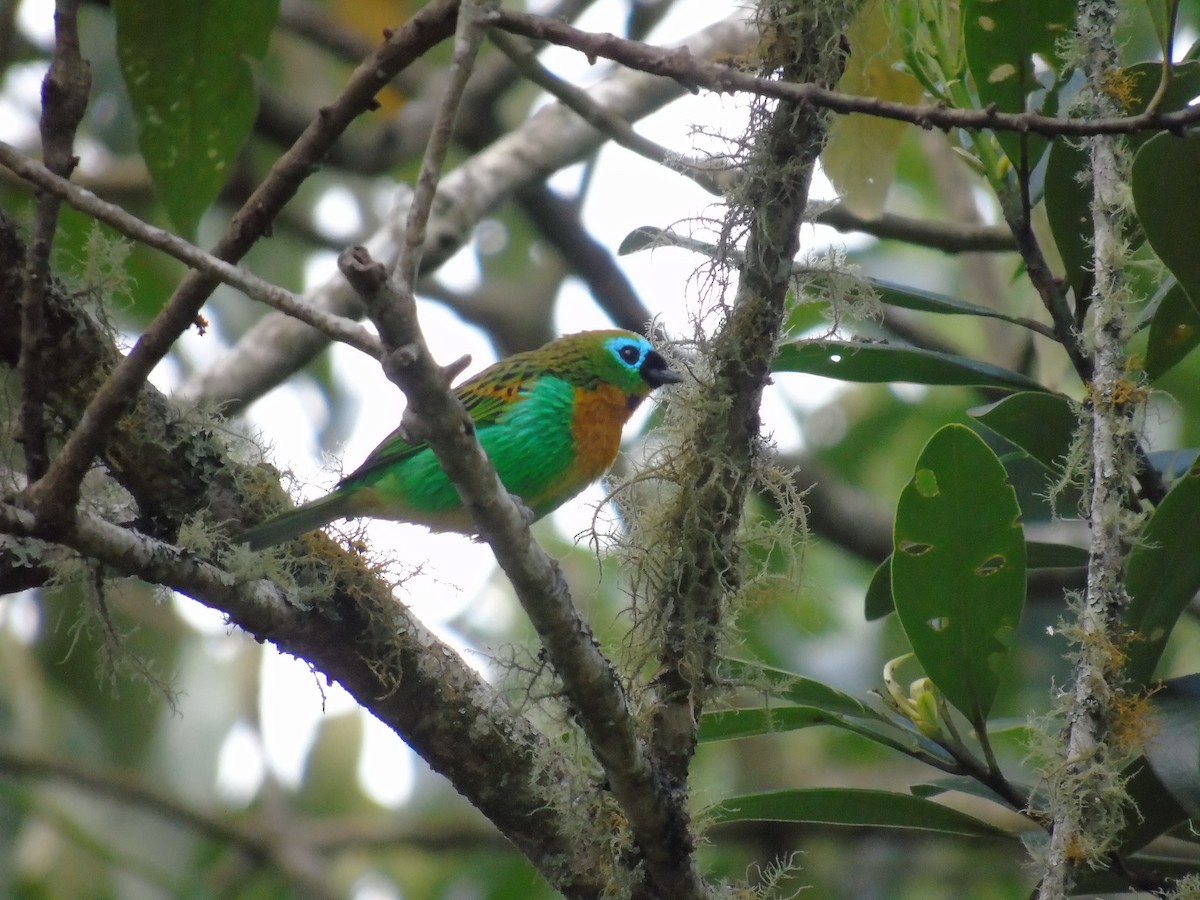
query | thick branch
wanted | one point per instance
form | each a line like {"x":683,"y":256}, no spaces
{"x":54,"y":496}
{"x":592,"y":684}
{"x":1087,"y":799}
{"x":360,"y":636}
{"x":723,"y":444}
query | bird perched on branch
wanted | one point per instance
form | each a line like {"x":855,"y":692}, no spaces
{"x":549,"y":419}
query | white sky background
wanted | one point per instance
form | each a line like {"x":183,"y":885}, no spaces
{"x":454,"y":570}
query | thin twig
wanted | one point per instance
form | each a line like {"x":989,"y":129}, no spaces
{"x":552,"y":138}
{"x":54,"y":496}
{"x":713,"y":179}
{"x":336,"y":328}
{"x":949,"y":238}
{"x":698,"y":73}
{"x":65,"y":92}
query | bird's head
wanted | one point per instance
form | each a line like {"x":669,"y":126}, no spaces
{"x":625,"y":360}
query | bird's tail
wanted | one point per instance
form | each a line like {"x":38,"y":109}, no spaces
{"x":291,"y":524}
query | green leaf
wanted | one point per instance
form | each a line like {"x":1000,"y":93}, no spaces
{"x":849,"y":806}
{"x":1174,"y":332}
{"x":1039,"y":555}
{"x":1068,"y":189}
{"x":732,"y":724}
{"x":1173,"y":747}
{"x":919,"y":300}
{"x":857,"y":361}
{"x":1162,"y":15}
{"x":1068,"y":198}
{"x":962,"y":784}
{"x":958,"y":566}
{"x":1001,"y":38}
{"x":879,"y":601}
{"x":794,"y":688}
{"x":1166,"y":191}
{"x":1163,"y":575}
{"x":1040,"y":423}
{"x":192,"y":91}
{"x":1158,"y":812}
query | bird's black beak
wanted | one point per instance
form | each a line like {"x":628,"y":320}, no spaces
{"x":655,"y":371}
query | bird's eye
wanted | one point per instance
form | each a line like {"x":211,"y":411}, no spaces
{"x":630,"y":353}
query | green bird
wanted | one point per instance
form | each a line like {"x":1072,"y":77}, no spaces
{"x":549,"y":419}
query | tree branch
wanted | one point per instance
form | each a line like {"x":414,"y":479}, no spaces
{"x":334,"y":327}
{"x":65,"y":92}
{"x":592,"y":685}
{"x":554,"y":137}
{"x":698,"y":73}
{"x":55,"y":495}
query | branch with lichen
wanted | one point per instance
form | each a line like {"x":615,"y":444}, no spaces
{"x":54,"y":496}
{"x":554,"y":137}
{"x":692,"y":581}
{"x":177,"y":467}
{"x":655,"y":819}
{"x":1087,"y":796}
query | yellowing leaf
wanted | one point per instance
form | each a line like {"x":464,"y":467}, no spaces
{"x":860,"y":158}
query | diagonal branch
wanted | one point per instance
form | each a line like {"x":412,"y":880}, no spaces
{"x":554,"y":137}
{"x":334,"y":327}
{"x":55,"y":495}
{"x":592,"y":684}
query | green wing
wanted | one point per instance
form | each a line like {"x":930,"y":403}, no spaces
{"x":486,"y":397}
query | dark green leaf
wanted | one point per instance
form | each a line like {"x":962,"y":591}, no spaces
{"x":856,"y":361}
{"x":1163,"y":574}
{"x":1166,"y":191}
{"x":1001,"y":38}
{"x":1039,"y":555}
{"x":1174,"y":332}
{"x":879,"y":592}
{"x":1173,"y":747}
{"x":961,"y":784}
{"x":1158,"y":812}
{"x":958,"y":566}
{"x":641,"y":238}
{"x":794,"y":688}
{"x":729,"y":724}
{"x":848,"y":806}
{"x":1069,"y":211}
{"x":907,"y":297}
{"x":1040,"y":423}
{"x":1068,"y":190}
{"x":192,"y":91}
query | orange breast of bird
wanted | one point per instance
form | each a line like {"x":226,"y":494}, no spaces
{"x":598,"y":415}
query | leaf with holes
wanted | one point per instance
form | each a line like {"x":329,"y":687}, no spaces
{"x":192,"y":91}
{"x":874,"y":363}
{"x":958,"y":567}
{"x":1006,"y":42}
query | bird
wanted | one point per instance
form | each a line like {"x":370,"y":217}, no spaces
{"x":550,"y":421}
